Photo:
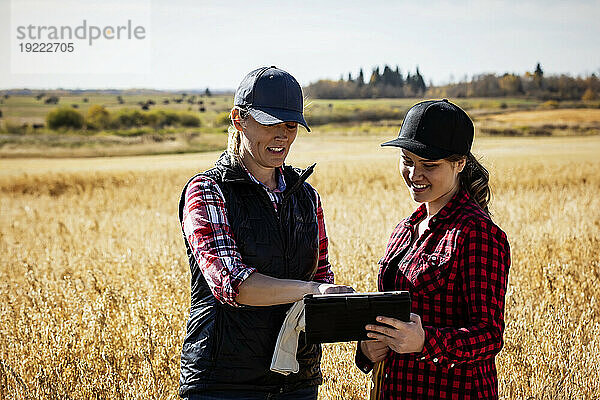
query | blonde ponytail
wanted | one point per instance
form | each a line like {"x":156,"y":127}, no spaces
{"x":234,"y":139}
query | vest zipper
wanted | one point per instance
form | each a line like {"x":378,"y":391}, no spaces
{"x":287,"y":194}
{"x":284,"y":235}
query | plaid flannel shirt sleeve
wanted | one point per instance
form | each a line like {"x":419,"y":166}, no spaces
{"x":485,"y":262}
{"x":210,"y":237}
{"x":324,"y":273}
{"x":361,"y":360}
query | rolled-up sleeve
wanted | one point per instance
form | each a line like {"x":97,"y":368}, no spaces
{"x":209,"y":235}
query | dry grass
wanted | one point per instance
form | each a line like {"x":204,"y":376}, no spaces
{"x":94,"y":285}
{"x":560,"y":122}
{"x":560,"y":116}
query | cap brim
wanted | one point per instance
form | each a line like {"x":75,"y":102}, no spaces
{"x":420,"y":149}
{"x":272,"y":116}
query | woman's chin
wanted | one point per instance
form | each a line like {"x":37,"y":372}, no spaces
{"x":419,"y":197}
{"x":276,"y":161}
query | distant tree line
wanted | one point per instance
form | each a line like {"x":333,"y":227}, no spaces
{"x":531,"y":84}
{"x":389,"y":83}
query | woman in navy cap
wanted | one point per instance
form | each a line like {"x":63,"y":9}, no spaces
{"x":256,"y":242}
{"x":452,"y":259}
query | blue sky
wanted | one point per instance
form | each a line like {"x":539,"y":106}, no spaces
{"x":195,"y":44}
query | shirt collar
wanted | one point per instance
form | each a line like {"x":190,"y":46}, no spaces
{"x":417,"y":216}
{"x":455,"y":203}
{"x":280,"y":180}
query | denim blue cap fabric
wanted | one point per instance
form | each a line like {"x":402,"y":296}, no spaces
{"x":435,"y":129}
{"x":272,"y":96}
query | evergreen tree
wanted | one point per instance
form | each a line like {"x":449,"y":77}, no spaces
{"x":398,"y":77}
{"x":419,"y":83}
{"x":361,"y":78}
{"x":388,"y":76}
{"x":408,"y":83}
{"x":538,"y":71}
{"x":538,"y":75}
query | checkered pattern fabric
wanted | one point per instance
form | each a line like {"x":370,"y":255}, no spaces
{"x":456,"y":272}
{"x":211,"y":239}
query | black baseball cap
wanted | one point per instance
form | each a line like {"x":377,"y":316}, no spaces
{"x":272,"y":96}
{"x":435,"y":129}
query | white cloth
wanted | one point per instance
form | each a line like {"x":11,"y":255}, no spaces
{"x":284,"y":357}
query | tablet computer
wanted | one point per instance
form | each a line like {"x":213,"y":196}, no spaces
{"x":342,"y":317}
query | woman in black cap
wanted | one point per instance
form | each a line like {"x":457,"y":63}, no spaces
{"x":256,"y":242}
{"x":452,"y":259}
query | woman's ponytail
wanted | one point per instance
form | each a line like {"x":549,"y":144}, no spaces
{"x":234,"y":139}
{"x":474,"y":178}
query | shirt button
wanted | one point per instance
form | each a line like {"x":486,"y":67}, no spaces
{"x":452,"y":365}
{"x":223,"y":272}
{"x":433,"y":258}
{"x":386,"y":375}
{"x":435,"y":360}
{"x":422,"y":358}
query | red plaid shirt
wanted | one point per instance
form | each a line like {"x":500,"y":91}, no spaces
{"x":213,"y":245}
{"x":456,"y":273}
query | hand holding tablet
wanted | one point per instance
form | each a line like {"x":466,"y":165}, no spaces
{"x":343,"y":317}
{"x":400,"y":336}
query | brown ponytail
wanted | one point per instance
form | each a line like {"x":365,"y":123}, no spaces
{"x":474,"y":178}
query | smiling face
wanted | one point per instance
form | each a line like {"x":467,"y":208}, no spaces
{"x":430,"y":181}
{"x":264,"y":147}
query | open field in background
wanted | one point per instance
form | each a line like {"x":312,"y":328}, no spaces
{"x":23,"y":133}
{"x":94,"y":282}
{"x":566,"y":116}
{"x":28,"y":109}
{"x":557,"y":122}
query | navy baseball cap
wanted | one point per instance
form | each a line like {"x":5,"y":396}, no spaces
{"x":272,"y":96}
{"x":435,"y":129}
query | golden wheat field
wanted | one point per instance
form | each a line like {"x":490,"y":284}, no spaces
{"x":564,"y":116}
{"x":94,"y":282}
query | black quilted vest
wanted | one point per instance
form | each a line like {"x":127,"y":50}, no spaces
{"x":230,"y":348}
